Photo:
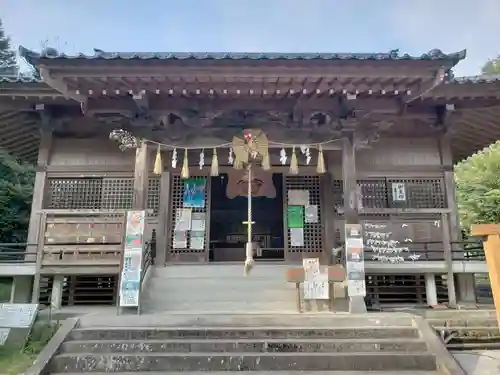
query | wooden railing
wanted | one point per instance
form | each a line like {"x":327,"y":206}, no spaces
{"x":82,"y":238}
{"x":16,"y":253}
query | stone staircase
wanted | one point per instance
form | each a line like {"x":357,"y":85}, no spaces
{"x":216,"y":343}
{"x":218,"y":288}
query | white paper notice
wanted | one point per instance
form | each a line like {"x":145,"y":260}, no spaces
{"x":183,"y":220}
{"x":298,"y":197}
{"x":311,"y":213}
{"x":197,"y":240}
{"x":180,"y":240}
{"x":296,"y":237}
{"x":318,"y":288}
{"x":311,"y":268}
{"x":198,"y":222}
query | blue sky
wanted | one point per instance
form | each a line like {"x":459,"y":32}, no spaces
{"x":413,"y":26}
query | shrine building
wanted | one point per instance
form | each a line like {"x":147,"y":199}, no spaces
{"x":367,"y":139}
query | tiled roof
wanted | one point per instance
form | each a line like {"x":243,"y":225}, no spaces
{"x":484,"y":78}
{"x":20,"y":80}
{"x":50,"y":53}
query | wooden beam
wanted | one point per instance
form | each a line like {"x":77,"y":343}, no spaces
{"x":59,"y":85}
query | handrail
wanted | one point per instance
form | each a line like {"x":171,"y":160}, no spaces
{"x":16,"y":253}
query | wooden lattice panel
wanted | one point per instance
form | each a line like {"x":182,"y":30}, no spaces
{"x":313,"y":232}
{"x":396,"y":289}
{"x":176,"y":203}
{"x":98,"y":194}
{"x":84,"y":241}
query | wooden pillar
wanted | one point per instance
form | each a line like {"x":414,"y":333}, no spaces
{"x":327,"y":209}
{"x":356,"y":304}
{"x":492,"y":253}
{"x":163,"y":234}
{"x":35,"y":231}
{"x":451,"y":222}
{"x":141,"y":177}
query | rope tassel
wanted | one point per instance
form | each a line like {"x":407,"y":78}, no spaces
{"x":321,"y":161}
{"x":158,"y":167}
{"x":294,"y":164}
{"x":185,"y":165}
{"x":214,"y":168}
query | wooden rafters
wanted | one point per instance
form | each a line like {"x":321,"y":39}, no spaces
{"x":61,"y":86}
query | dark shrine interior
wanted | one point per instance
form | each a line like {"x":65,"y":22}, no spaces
{"x":228,"y":234}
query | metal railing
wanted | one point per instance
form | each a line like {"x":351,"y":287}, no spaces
{"x":16,"y":253}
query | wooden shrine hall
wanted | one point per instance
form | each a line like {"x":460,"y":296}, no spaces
{"x":357,"y":139}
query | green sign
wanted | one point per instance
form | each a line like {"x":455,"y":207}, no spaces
{"x":295,"y":216}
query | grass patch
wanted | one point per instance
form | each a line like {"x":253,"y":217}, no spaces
{"x":16,"y":361}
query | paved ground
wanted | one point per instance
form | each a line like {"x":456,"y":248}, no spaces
{"x":481,"y":362}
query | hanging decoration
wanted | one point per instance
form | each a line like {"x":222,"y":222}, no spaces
{"x":185,"y":165}
{"x":201,"y":163}
{"x":307,"y":153}
{"x":321,"y":161}
{"x":214,"y":168}
{"x":174,"y":158}
{"x":283,"y":156}
{"x":252,"y":146}
{"x":294,"y":164}
{"x":158,"y":167}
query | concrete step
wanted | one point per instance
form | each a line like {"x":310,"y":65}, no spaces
{"x":88,"y":362}
{"x":246,"y":345}
{"x":96,"y":334}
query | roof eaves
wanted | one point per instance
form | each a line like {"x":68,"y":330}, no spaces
{"x":51,"y":54}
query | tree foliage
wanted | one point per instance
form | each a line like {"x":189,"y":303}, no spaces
{"x":8,"y":62}
{"x":16,"y":190}
{"x":492,"y":66}
{"x":478,"y":187}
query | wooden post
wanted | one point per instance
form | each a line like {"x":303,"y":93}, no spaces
{"x":141,"y":177}
{"x":36,"y":226}
{"x":492,"y":253}
{"x":163,"y":233}
{"x":448,"y":258}
{"x":356,"y":304}
{"x":327,"y":207}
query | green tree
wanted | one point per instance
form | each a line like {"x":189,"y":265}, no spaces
{"x":16,"y":179}
{"x":16,"y":190}
{"x":478,"y":187}
{"x":492,"y":66}
{"x":8,"y":62}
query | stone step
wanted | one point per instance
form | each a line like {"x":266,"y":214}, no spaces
{"x":173,"y":306}
{"x":464,"y":322}
{"x":274,"y":271}
{"x":245,"y":345}
{"x":88,"y":362}
{"x":472,"y":331}
{"x":136,"y":333}
{"x":261,"y":373}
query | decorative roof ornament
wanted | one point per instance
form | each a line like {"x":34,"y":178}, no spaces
{"x":125,"y":139}
{"x":253,"y":146}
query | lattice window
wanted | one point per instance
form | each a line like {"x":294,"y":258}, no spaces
{"x":378,"y":193}
{"x":420,"y":193}
{"x":313,"y":232}
{"x":98,"y":194}
{"x":177,"y":195}
{"x":74,"y":193}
